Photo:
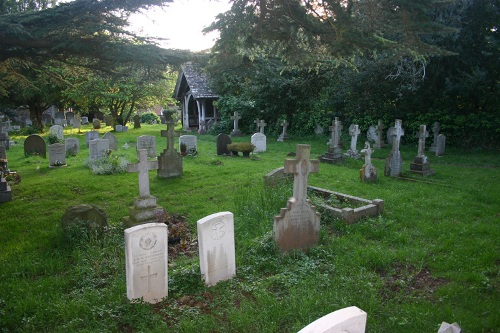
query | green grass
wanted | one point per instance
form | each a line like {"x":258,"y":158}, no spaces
{"x":433,"y":255}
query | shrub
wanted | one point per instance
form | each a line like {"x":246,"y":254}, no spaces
{"x":52,"y":138}
{"x":149,"y":118}
{"x":107,"y":165}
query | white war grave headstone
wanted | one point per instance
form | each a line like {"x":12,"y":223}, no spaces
{"x":368,"y":173}
{"x":353,"y":133}
{"x":169,"y":161}
{"x":57,"y":155}
{"x":435,"y":131}
{"x":420,"y":164}
{"x":346,"y":320}
{"x":235,"y":118}
{"x":394,"y":162}
{"x":146,"y":260}
{"x":284,"y":135}
{"x":147,"y":142}
{"x":297,"y":226}
{"x":98,"y":149}
{"x":216,"y":247}
{"x":145,"y":208}
{"x":379,"y":142}
{"x":259,"y":140}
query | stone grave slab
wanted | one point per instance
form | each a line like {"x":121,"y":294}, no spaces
{"x":277,"y":176}
{"x":98,"y":149}
{"x":72,"y":146}
{"x":216,"y":247}
{"x":146,"y":260}
{"x":91,"y":135}
{"x":35,"y":145}
{"x":222,"y":141}
{"x":57,"y":155}
{"x":147,"y":142}
{"x":90,"y":216}
{"x":347,"y":320}
{"x":191,"y":142}
{"x":113,"y":142}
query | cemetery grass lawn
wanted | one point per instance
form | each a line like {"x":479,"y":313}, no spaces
{"x":432,"y":256}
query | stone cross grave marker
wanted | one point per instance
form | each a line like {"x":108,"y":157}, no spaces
{"x":422,"y":134}
{"x":440,"y":145}
{"x":91,"y":135}
{"x":147,"y":142}
{"x":143,"y":168}
{"x":216,"y":247}
{"x":169,"y":161}
{"x":297,"y":226}
{"x":394,"y":162}
{"x":72,"y":146}
{"x":284,"y":135}
{"x":368,"y":173}
{"x":235,"y":118}
{"x":57,"y":155}
{"x":259,"y":140}
{"x":420,"y":163}
{"x":335,"y":129}
{"x":262,"y":125}
{"x":113,"y":142}
{"x":379,"y":143}
{"x":353,"y":133}
{"x":346,"y":320}
{"x":146,"y":258}
{"x":257,"y":124}
{"x":98,"y":148}
{"x":435,"y":131}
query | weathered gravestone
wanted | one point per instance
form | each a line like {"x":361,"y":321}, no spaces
{"x":169,"y":161}
{"x":46,"y":119}
{"x":222,"y":141}
{"x":85,"y":120}
{"x":147,"y":142}
{"x":379,"y":142}
{"x":57,"y":131}
{"x":259,"y":141}
{"x":371,"y":134}
{"x":113,"y":142}
{"x":57,"y":155}
{"x":5,"y":191}
{"x":145,"y":208}
{"x":347,"y":320}
{"x":90,"y":217}
{"x":118,"y":128}
{"x":394,"y":162}
{"x":334,"y":154}
{"x":96,"y":123}
{"x":284,"y":135}
{"x":72,"y":146}
{"x":60,"y":119}
{"x":368,"y":173}
{"x":261,"y":126}
{"x":77,"y":122}
{"x":108,"y":120}
{"x":435,"y":131}
{"x":98,"y":148}
{"x":216,"y":247}
{"x":70,"y":116}
{"x":146,"y":260}
{"x":235,"y":118}
{"x":353,"y":133}
{"x":137,"y":121}
{"x":35,"y":145}
{"x":190,"y":142}
{"x":5,"y":140}
{"x":420,"y":164}
{"x":440,"y":145}
{"x":297,"y":226}
{"x":91,"y":135}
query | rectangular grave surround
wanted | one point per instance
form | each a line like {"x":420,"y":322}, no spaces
{"x":369,"y":208}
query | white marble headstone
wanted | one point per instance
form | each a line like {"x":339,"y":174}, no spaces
{"x":216,"y":247}
{"x":347,"y":320}
{"x":259,"y":141}
{"x":146,"y":258}
{"x":190,"y":141}
{"x":147,"y":142}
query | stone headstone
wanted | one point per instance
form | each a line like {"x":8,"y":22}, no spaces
{"x":420,"y":164}
{"x":146,"y":258}
{"x":379,"y":142}
{"x":216,"y":247}
{"x":124,"y":128}
{"x":5,"y":140}
{"x":347,"y":320}
{"x":57,"y":155}
{"x":368,"y":173}
{"x":85,"y":120}
{"x":169,"y":161}
{"x":72,"y":146}
{"x":59,"y":115}
{"x":35,"y":145}
{"x":449,"y":328}
{"x":353,"y":133}
{"x":113,"y":142}
{"x":371,"y":134}
{"x":334,"y":154}
{"x":96,"y":123}
{"x":235,"y":118}
{"x":57,"y":131}
{"x":318,"y":130}
{"x":28,"y":122}
{"x":440,"y":145}
{"x":147,"y":142}
{"x":98,"y":149}
{"x":222,"y":141}
{"x":70,"y":116}
{"x":77,"y":122}
{"x":108,"y":120}
{"x":118,"y":128}
{"x":5,"y":190}
{"x":259,"y":141}
{"x":91,"y":135}
{"x":394,"y":162}
{"x":47,"y":119}
{"x":142,"y":168}
{"x":191,"y":142}
{"x":435,"y":130}
{"x":284,"y":135}
{"x":137,"y":121}
{"x":297,"y":226}
{"x":89,"y":216}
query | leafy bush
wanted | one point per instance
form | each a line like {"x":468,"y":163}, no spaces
{"x":149,"y":118}
{"x":107,"y":165}
{"x":52,"y":138}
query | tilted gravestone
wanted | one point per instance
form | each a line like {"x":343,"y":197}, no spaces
{"x":346,"y":320}
{"x":222,"y":141}
{"x":297,"y":226}
{"x":113,"y":142}
{"x":35,"y":145}
{"x":146,"y":260}
{"x":57,"y":155}
{"x":216,"y":247}
{"x":147,"y":142}
{"x":169,"y":161}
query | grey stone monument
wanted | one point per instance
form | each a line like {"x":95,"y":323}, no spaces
{"x":440,"y":145}
{"x":379,"y":143}
{"x":334,"y":154}
{"x":435,"y":131}
{"x":420,"y":164}
{"x":57,"y":155}
{"x":353,"y":133}
{"x":236,"y":131}
{"x":284,"y":135}
{"x":169,"y":161}
{"x":222,"y":141}
{"x":394,"y":162}
{"x":368,"y":173}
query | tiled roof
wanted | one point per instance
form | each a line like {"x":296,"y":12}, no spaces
{"x":191,"y":78}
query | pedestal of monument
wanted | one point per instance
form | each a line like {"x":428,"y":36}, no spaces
{"x":333,"y":156}
{"x":143,"y":211}
{"x":420,"y":166}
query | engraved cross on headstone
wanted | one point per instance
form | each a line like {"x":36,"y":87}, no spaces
{"x":422,"y":134}
{"x":143,"y":167}
{"x":149,"y":276}
{"x":236,"y":117}
{"x":262,"y":124}
{"x":301,"y":166}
